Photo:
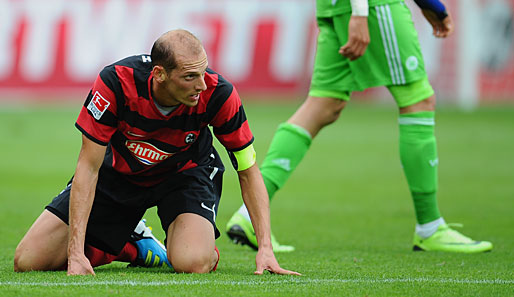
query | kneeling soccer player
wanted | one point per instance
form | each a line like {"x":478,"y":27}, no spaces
{"x":146,"y":142}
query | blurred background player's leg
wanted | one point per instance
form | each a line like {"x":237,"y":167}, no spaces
{"x":288,"y":147}
{"x":416,"y":100}
{"x":392,"y":59}
{"x":418,"y":154}
{"x":292,"y":139}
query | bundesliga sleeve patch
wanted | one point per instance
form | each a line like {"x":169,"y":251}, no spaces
{"x":98,"y":105}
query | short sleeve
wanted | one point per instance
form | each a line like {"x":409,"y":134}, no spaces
{"x":98,"y":117}
{"x":230,"y":124}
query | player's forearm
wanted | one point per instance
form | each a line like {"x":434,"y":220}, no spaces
{"x":435,"y":6}
{"x":256,"y":200}
{"x":81,"y":201}
{"x":83,"y":193}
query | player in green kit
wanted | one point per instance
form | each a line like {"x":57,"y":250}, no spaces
{"x":344,"y":63}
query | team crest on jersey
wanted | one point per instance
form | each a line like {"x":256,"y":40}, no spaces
{"x":98,"y":105}
{"x":412,"y":63}
{"x":146,"y":153}
{"x":190,"y":138}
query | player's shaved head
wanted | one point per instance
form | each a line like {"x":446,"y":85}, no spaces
{"x":172,"y":44}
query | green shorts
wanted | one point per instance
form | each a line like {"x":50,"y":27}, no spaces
{"x":393,"y":57}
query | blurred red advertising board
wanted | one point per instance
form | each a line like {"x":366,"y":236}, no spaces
{"x":260,"y":45}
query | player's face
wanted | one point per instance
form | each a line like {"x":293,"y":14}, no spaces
{"x":185,"y":83}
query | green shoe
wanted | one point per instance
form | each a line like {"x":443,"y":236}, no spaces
{"x":446,"y":239}
{"x":240,"y":231}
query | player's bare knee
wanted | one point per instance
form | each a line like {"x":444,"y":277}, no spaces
{"x":198,"y":261}
{"x":29,"y":257}
{"x":21,"y":261}
{"x":427,"y":104}
{"x":333,"y":113}
{"x":17,"y":267}
{"x":192,"y":266}
{"x":334,"y":116}
{"x":17,"y":263}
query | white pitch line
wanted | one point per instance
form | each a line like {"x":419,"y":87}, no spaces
{"x":298,"y":280}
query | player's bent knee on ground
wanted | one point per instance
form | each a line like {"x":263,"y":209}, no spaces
{"x":27,"y":259}
{"x":192,"y":257}
{"x":19,"y":261}
{"x":44,"y":245}
{"x":190,"y":244}
{"x":193,"y":263}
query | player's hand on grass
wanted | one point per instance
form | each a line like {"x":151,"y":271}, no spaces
{"x":441,"y":28}
{"x":358,"y":38}
{"x":265,"y":260}
{"x":79,"y":265}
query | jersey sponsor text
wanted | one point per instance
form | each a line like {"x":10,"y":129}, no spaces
{"x":146,"y":153}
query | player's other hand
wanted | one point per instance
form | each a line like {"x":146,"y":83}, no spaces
{"x":79,"y":265}
{"x":265,"y":260}
{"x":358,"y":38}
{"x":441,"y":28}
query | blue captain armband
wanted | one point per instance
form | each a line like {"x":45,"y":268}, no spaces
{"x":435,"y":6}
{"x":243,"y":159}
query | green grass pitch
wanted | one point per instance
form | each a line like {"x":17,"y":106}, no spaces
{"x":346,"y":209}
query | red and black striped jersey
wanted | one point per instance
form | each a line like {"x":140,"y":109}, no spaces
{"x":143,"y":144}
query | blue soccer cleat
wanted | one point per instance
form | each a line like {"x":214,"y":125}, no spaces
{"x":150,"y":251}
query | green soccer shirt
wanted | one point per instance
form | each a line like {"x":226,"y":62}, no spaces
{"x":330,"y":8}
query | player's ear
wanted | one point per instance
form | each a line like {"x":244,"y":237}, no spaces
{"x":159,"y":73}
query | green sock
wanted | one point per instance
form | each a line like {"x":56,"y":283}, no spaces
{"x":286,"y":150}
{"x":418,"y":154}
